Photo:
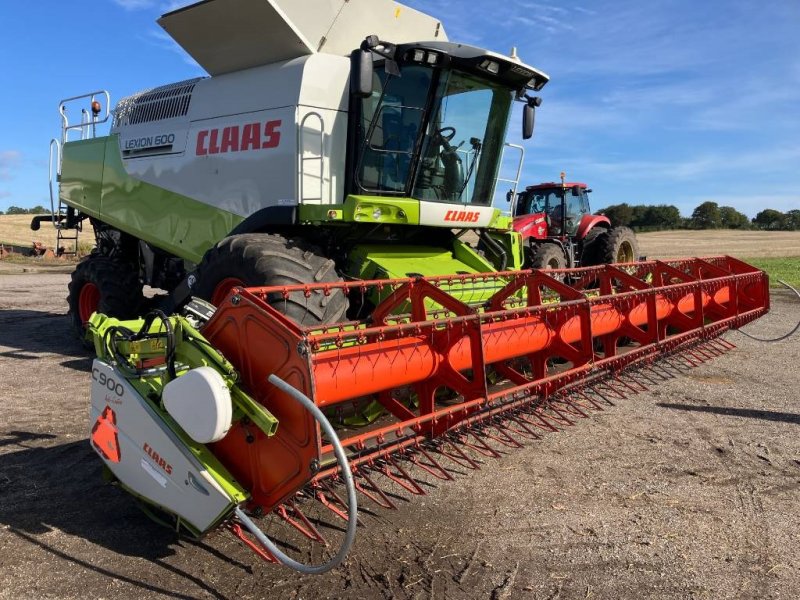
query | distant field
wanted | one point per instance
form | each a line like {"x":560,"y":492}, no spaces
{"x":16,"y":229}
{"x":742,"y":244}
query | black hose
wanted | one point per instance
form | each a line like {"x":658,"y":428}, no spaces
{"x":116,"y":333}
{"x":497,"y":249}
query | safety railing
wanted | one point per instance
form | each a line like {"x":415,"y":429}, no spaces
{"x":90,"y":119}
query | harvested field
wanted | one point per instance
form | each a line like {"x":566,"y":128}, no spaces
{"x":742,"y":244}
{"x":690,"y":490}
{"x":16,"y":229}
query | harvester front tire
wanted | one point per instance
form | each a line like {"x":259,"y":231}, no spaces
{"x":618,"y":246}
{"x":106,"y":285}
{"x":260,"y":259}
{"x":548,"y":256}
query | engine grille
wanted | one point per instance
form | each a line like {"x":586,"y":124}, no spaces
{"x":155,"y":104}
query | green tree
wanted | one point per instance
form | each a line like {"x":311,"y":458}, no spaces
{"x":639,"y":218}
{"x":663,"y":217}
{"x":770,"y":219}
{"x":38,"y":210}
{"x":16,"y":210}
{"x":792,"y":219}
{"x":732,"y":218}
{"x":706,"y":216}
{"x":619,"y":214}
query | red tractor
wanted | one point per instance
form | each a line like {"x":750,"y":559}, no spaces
{"x":560,"y":231}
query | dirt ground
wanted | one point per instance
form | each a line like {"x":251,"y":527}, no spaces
{"x":689,"y":490}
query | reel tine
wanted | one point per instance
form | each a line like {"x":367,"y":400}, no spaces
{"x":468,"y":462}
{"x":404,"y":480}
{"x":434,"y":468}
{"x":378,"y":497}
{"x":337,"y":499}
{"x":306,"y":527}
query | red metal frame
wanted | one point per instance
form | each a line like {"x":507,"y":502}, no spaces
{"x":521,"y":356}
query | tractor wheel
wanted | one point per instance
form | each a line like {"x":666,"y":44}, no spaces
{"x":260,"y":259}
{"x":103,"y":284}
{"x":548,"y":256}
{"x":592,"y":247}
{"x":618,"y":246}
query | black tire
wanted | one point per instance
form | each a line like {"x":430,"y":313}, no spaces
{"x":104,"y":284}
{"x":548,"y":256}
{"x":260,"y":259}
{"x":591,"y":247}
{"x":618,"y":246}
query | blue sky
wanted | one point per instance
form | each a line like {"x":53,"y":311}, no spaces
{"x":672,"y":101}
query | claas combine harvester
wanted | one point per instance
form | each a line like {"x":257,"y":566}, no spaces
{"x":327,"y":332}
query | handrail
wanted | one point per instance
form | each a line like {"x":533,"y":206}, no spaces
{"x":320,"y":158}
{"x":515,"y":181}
{"x":83,"y":125}
{"x":54,"y":142}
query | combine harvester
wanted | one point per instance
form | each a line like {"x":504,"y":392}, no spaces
{"x":315,"y":189}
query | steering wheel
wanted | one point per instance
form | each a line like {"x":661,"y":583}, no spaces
{"x":446,"y":133}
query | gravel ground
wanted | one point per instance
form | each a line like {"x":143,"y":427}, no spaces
{"x":689,"y":490}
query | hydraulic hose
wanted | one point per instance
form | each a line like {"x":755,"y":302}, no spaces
{"x":347,"y":476}
{"x":783,"y":337}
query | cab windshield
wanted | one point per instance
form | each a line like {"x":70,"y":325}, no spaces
{"x":433,"y":135}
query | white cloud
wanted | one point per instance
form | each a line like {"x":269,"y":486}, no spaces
{"x":135,"y":4}
{"x":9,"y":159}
{"x":162,"y":6}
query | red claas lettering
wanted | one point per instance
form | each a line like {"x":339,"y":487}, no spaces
{"x":238,"y":138}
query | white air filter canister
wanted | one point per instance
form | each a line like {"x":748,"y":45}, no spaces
{"x":200,"y":403}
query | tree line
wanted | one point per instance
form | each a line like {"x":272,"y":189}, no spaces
{"x":16,"y":210}
{"x":708,"y":215}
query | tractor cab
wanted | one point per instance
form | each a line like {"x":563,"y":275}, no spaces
{"x":551,"y":210}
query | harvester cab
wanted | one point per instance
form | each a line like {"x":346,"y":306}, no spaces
{"x":314,"y":189}
{"x":560,"y":231}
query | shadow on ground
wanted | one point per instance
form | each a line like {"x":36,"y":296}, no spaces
{"x":61,"y":488}
{"x":767,"y":415}
{"x":30,"y":333}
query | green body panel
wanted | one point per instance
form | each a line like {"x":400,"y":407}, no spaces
{"x":373,"y":261}
{"x":82,"y":174}
{"x":94,"y":180}
{"x":362,"y":209}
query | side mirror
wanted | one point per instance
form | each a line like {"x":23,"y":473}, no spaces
{"x":361,"y":76}
{"x":528,"y":116}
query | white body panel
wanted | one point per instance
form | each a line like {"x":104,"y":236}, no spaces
{"x":245,"y":131}
{"x":455,"y":215}
{"x":230,"y":35}
{"x":153,"y":462}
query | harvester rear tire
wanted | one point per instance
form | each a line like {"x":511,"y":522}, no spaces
{"x":261,"y":259}
{"x":548,"y":256}
{"x":618,"y":246}
{"x":103,"y":284}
